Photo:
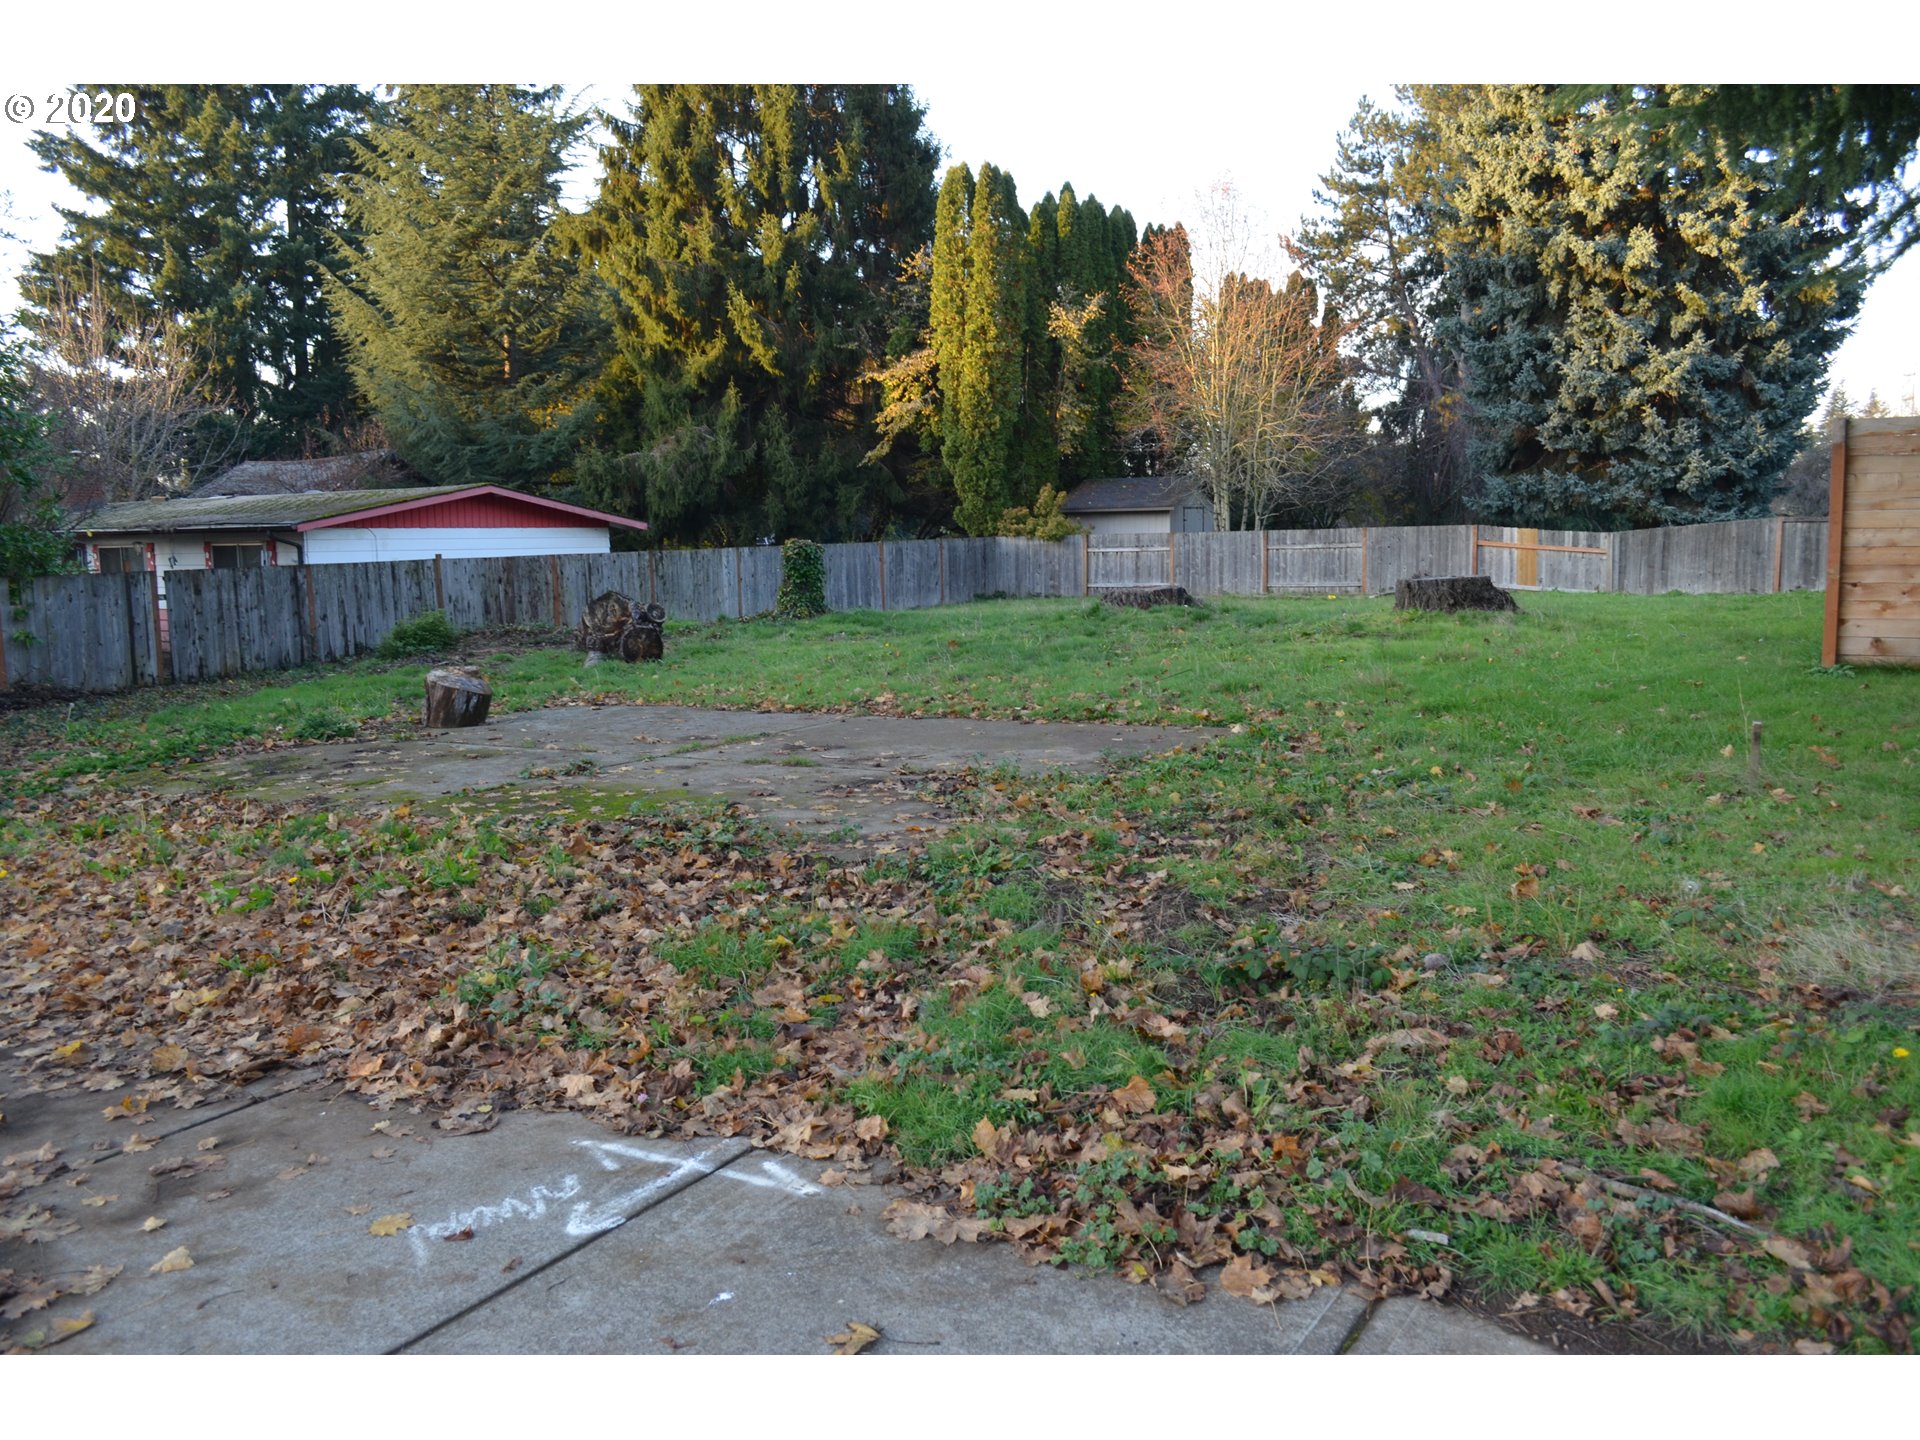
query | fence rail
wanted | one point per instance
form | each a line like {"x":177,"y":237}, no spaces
{"x":110,"y":632}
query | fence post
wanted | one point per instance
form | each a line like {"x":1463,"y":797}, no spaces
{"x":1836,"y":538}
{"x":650,"y":585}
{"x":1612,"y":583}
{"x":880,"y":549}
{"x":1172,"y":552}
{"x":1086,"y":562}
{"x":943,"y":569}
{"x":313,"y":624}
{"x":553,"y":575}
{"x":1474,"y":568}
{"x":1363,"y":562}
{"x":1779,"y":548}
{"x":439,"y":588}
{"x":1265,"y":551}
{"x":739,"y":583}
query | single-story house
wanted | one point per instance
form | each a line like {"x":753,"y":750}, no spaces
{"x":339,"y":527}
{"x":1139,"y":505}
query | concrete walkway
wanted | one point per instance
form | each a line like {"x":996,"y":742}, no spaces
{"x":550,"y":1235}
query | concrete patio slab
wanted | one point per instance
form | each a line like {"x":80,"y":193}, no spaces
{"x":817,"y":775}
{"x":1419,"y":1327}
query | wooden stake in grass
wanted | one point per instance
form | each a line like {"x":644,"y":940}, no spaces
{"x":1753,"y":753}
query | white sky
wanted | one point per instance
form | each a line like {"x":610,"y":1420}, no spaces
{"x":1133,"y":108}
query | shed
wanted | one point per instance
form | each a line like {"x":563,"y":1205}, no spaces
{"x":1873,"y":544}
{"x":339,"y":527}
{"x":1139,"y":505}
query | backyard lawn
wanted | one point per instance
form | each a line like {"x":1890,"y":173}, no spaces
{"x":1467,"y":957}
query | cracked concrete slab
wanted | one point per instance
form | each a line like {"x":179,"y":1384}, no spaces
{"x":274,"y":1205}
{"x":761,"y":1259}
{"x":818,"y":775}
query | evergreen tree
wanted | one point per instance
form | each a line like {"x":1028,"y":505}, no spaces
{"x":213,"y":208}
{"x":754,"y":236}
{"x":981,"y":404}
{"x":1641,"y":341}
{"x":1840,"y":150}
{"x":473,"y":328}
{"x":1373,"y":252}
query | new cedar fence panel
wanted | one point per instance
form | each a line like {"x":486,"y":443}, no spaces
{"x":1518,"y":557}
{"x":1873,"y":544}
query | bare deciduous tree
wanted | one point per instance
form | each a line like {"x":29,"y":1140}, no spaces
{"x":1241,"y":377}
{"x":126,"y":401}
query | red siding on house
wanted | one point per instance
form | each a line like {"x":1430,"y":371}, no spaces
{"x":478,"y":512}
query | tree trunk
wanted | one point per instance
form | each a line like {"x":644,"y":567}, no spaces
{"x":1450,"y":593}
{"x":457,"y":696}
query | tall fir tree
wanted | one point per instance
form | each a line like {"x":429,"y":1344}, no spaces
{"x":753,"y":236}
{"x":1641,"y":340}
{"x":474,"y":329}
{"x":1372,"y":249}
{"x":982,"y":404}
{"x":215,"y":207}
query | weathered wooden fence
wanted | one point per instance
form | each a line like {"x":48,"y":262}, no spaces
{"x":101,"y":632}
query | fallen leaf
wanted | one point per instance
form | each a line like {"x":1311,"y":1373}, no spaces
{"x":855,"y":1338}
{"x":173,"y":1260}
{"x":1606,"y":1012}
{"x":152,"y":1223}
{"x":1242,"y":1277}
{"x":1136,"y":1097}
{"x":169,"y":1057}
{"x":391,"y":1224}
{"x":1792,"y":1252}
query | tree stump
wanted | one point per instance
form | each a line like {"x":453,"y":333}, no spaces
{"x":1145,"y":597}
{"x":457,"y":696}
{"x":1450,"y":593}
{"x":616,"y":624}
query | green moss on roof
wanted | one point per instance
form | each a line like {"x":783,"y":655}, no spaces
{"x":250,"y":512}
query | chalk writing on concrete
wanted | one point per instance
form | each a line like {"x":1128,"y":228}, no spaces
{"x":532,"y":1207}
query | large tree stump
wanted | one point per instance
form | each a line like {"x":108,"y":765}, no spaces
{"x":1145,"y":597}
{"x":457,"y":696}
{"x":1450,"y":593}
{"x":616,"y":624}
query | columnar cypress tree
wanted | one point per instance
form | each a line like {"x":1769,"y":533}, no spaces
{"x":213,"y":207}
{"x":473,"y":329}
{"x":985,"y":396}
{"x":753,"y":236}
{"x":1641,"y":341}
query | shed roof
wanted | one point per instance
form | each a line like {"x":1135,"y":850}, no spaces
{"x":307,"y":511}
{"x":1129,"y":492}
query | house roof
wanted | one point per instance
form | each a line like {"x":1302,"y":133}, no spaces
{"x":312,"y":510}
{"x":356,"y":470}
{"x":1128,"y":492}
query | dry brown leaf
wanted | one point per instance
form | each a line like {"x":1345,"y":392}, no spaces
{"x":1242,"y":1277}
{"x":855,"y":1338}
{"x":173,"y":1260}
{"x":1136,"y":1097}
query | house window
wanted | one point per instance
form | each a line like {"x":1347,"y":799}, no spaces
{"x":235,"y":557}
{"x":121,"y":559}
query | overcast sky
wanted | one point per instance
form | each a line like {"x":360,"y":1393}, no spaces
{"x":1138,"y":108}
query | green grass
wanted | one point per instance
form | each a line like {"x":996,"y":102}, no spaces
{"x":1655,"y":966}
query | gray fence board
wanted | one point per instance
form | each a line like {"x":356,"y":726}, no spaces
{"x":99,"y":632}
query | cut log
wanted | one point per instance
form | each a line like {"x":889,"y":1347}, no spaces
{"x":616,"y":624}
{"x":1145,"y":597}
{"x":457,"y":696}
{"x":1450,"y":593}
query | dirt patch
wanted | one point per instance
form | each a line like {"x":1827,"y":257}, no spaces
{"x":859,"y":781}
